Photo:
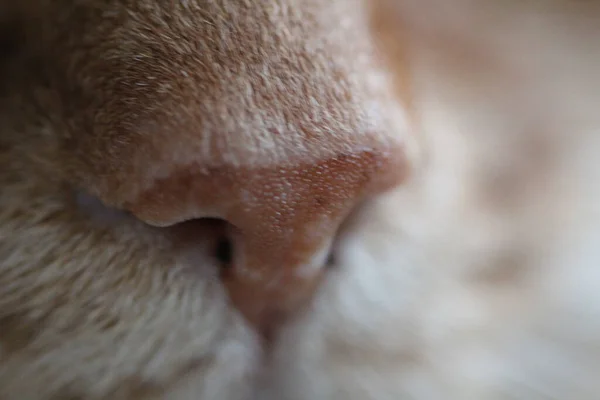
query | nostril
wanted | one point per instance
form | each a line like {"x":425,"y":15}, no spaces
{"x":224,"y":252}
{"x":331,"y":260}
{"x":215,"y":233}
{"x":347,"y":225}
{"x":194,"y":233}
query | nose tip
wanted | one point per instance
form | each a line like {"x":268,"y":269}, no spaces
{"x":266,"y":289}
{"x":285,"y":220}
{"x":278,"y":261}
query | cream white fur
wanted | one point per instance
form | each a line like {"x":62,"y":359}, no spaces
{"x":416,"y":310}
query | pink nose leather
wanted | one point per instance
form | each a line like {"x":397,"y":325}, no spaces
{"x":285,"y":220}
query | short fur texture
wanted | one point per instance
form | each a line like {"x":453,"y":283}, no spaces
{"x":155,"y":103}
{"x":477,"y":278}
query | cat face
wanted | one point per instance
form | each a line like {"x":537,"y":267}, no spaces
{"x":138,"y":138}
{"x":448,"y":179}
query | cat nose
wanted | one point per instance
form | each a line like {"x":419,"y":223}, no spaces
{"x":283,"y":220}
